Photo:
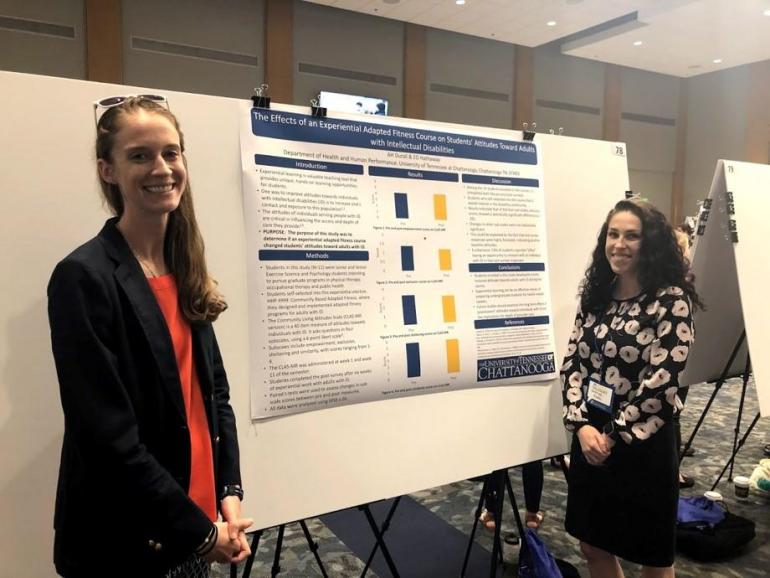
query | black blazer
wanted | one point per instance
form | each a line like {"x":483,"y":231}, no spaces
{"x":121,"y":505}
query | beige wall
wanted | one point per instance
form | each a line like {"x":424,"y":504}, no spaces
{"x":758,"y":113}
{"x":716,"y":128}
{"x":219,"y":48}
{"x":194,"y":46}
{"x":568,"y":93}
{"x":458,"y":89}
{"x":649,"y":108}
{"x":347,"y":52}
{"x":43,"y":37}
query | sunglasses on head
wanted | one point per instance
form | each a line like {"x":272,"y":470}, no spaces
{"x":101,"y":106}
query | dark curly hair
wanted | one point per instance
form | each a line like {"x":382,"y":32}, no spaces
{"x":661,"y":262}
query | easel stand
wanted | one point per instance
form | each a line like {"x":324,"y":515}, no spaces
{"x":312,"y":545}
{"x":736,"y":431}
{"x":737,"y":444}
{"x":735,"y":452}
{"x":378,"y":536}
{"x":498,"y":481}
{"x":378,"y":532}
{"x":717,"y":386}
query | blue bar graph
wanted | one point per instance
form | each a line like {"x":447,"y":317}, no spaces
{"x":407,"y":258}
{"x":410,"y":310}
{"x":413,"y":360}
{"x":402,"y":206}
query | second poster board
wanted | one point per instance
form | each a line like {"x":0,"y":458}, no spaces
{"x":732,"y":275}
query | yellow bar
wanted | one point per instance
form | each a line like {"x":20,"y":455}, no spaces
{"x":445,"y":259}
{"x":448,"y":305}
{"x":453,"y":355}
{"x":439,"y":207}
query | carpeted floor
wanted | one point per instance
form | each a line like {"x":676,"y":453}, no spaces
{"x":429,"y":531}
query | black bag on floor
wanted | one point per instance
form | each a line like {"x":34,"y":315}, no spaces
{"x":701,"y":542}
{"x":567,"y":570}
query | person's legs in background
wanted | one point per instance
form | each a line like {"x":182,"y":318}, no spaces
{"x":487,"y":517}
{"x":532,"y":480}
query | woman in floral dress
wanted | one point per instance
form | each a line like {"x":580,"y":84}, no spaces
{"x":620,"y":377}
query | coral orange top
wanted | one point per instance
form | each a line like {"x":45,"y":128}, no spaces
{"x":202,"y":490}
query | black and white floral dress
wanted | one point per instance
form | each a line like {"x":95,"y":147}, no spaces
{"x":638,"y":346}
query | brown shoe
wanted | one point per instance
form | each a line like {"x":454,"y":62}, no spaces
{"x":533,"y":520}
{"x":487,"y":518}
{"x":686,"y":481}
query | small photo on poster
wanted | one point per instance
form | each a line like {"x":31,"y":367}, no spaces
{"x":339,"y":102}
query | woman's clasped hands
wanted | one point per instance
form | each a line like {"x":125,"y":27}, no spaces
{"x":596,"y":446}
{"x":232,"y":546}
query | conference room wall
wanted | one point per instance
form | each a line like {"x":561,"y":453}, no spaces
{"x":655,"y":186}
{"x":716,"y":128}
{"x":648,"y":126}
{"x":727,"y":114}
{"x":59,"y":47}
{"x":458,"y":89}
{"x":568,"y":93}
{"x":347,"y":52}
{"x":757,"y":137}
{"x":194,"y":46}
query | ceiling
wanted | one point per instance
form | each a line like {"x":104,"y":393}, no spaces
{"x":677,"y":37}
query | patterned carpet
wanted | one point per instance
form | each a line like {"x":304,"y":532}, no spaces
{"x":455,"y":504}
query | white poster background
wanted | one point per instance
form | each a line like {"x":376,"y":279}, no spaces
{"x":731,"y":276}
{"x":390,"y":258}
{"x":376,"y":450}
{"x":749,"y":184}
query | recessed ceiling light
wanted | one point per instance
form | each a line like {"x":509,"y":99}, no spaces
{"x":459,"y":2}
{"x":638,"y":43}
{"x":766,"y":12}
{"x":551,"y":23}
{"x":717,"y":61}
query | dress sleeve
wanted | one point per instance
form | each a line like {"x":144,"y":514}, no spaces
{"x":574,"y":411}
{"x":656,"y":398}
{"x":99,"y":416}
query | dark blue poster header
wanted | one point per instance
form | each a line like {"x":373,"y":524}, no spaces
{"x":305,"y":165}
{"x":511,"y":322}
{"x":502,"y":181}
{"x":413,"y":174}
{"x":516,"y":366}
{"x":504,"y":267}
{"x":353,"y":133}
{"x":311,"y":255}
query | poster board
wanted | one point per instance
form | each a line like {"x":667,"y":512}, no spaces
{"x":389,"y":259}
{"x":719,"y":327}
{"x":732,"y":275}
{"x":293,"y":467}
{"x":750,"y":185}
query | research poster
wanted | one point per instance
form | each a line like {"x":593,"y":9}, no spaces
{"x":390,"y":257}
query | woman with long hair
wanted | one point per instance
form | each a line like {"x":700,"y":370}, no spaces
{"x":150,"y":454}
{"x":620,"y":379}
